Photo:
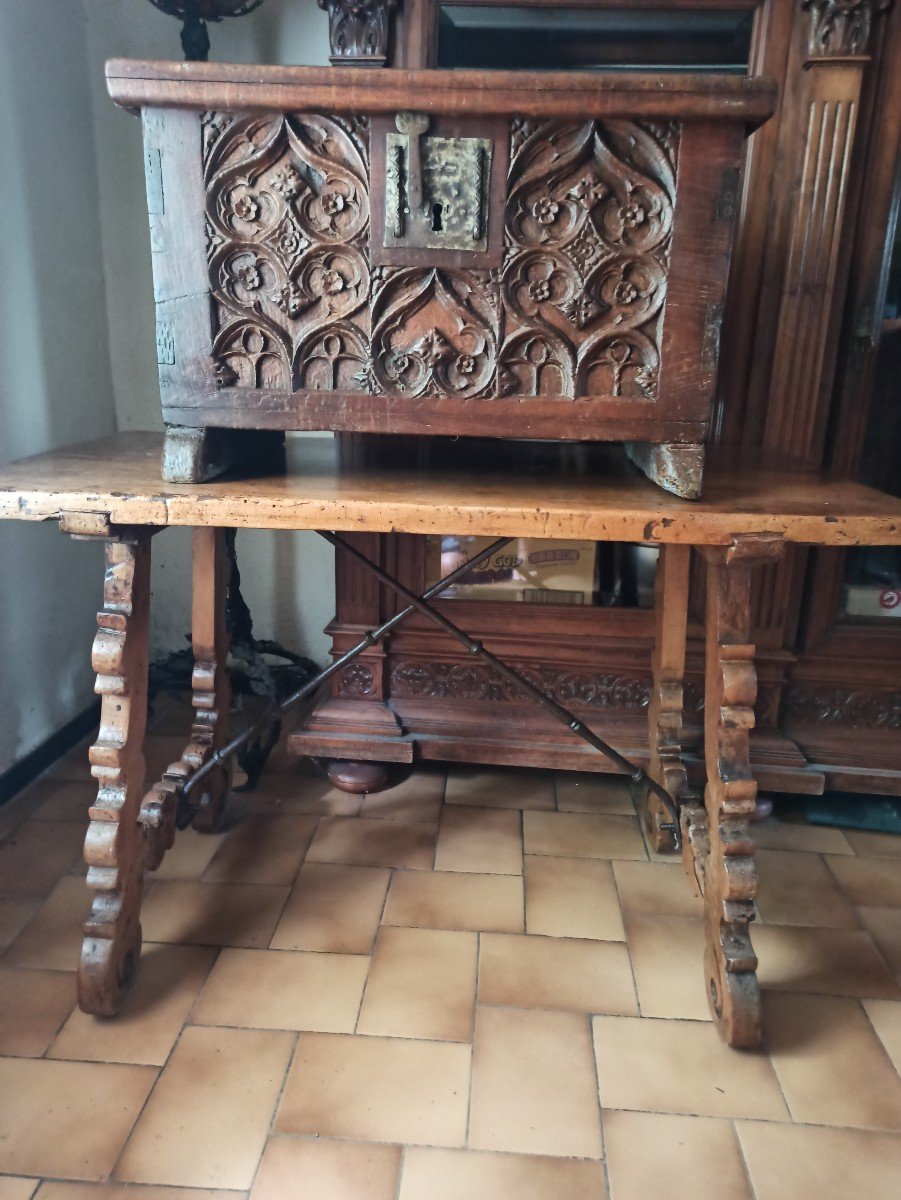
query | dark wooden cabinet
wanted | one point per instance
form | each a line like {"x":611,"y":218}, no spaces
{"x":843,"y":704}
{"x":807,"y":343}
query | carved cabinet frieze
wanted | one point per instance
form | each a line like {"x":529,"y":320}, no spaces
{"x":415,"y":678}
{"x":825,"y":704}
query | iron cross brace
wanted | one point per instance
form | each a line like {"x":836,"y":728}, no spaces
{"x":638,"y":777}
{"x":277,"y":709}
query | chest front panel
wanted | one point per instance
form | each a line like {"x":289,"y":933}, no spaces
{"x":546,"y":277}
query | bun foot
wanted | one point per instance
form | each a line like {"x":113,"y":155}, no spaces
{"x":357,"y":777}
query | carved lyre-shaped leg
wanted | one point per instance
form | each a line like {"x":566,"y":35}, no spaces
{"x":211,"y":699}
{"x":113,"y":846}
{"x":717,"y":838}
{"x":665,"y":709}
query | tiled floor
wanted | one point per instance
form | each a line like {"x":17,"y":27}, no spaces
{"x":479,"y":987}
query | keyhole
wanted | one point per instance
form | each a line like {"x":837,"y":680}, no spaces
{"x":436,"y":218}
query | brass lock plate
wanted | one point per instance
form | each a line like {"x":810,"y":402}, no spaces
{"x":441,"y":199}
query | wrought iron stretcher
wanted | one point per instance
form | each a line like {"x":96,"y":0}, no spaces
{"x":638,"y":776}
{"x":110,"y":492}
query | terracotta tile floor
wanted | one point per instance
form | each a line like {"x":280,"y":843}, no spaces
{"x":480,"y":986}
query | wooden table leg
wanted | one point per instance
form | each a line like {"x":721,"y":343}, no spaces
{"x":212,"y":692}
{"x":665,"y":708}
{"x":211,"y":699}
{"x":127,"y":834}
{"x":114,"y":845}
{"x":717,"y":837}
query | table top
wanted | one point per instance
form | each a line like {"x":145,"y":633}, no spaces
{"x":444,"y":485}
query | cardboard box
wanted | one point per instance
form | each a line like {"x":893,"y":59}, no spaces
{"x":527,"y":570}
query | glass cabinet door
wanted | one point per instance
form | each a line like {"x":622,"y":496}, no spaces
{"x":871,"y":590}
{"x":543,"y":571}
{"x":558,"y":37}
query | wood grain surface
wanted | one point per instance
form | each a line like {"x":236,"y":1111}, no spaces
{"x":135,"y":84}
{"x":448,"y":486}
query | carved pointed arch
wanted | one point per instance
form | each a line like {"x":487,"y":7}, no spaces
{"x":535,"y":362}
{"x":433,"y":333}
{"x":253,"y":355}
{"x":332,"y":359}
{"x":624,"y":364}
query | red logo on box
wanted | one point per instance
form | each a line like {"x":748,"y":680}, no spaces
{"x":889,"y":599}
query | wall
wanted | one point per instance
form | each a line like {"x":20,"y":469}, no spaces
{"x":75,"y":258}
{"x":287,"y":579}
{"x":55,"y":385}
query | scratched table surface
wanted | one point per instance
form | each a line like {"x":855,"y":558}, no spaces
{"x":442,"y":485}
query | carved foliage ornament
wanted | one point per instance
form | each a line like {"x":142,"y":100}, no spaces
{"x":358,"y":30}
{"x":825,"y":705}
{"x":841,"y":27}
{"x":465,"y":681}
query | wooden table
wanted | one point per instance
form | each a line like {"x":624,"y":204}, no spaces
{"x":111,"y":490}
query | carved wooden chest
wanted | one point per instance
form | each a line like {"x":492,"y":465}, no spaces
{"x":518,"y":255}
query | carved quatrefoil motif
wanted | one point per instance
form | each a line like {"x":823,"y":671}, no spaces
{"x":575,"y":311}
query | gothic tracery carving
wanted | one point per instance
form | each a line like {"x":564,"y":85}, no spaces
{"x":576,"y":310}
{"x":433,"y":333}
{"x":589,"y":222}
{"x":287,"y":218}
